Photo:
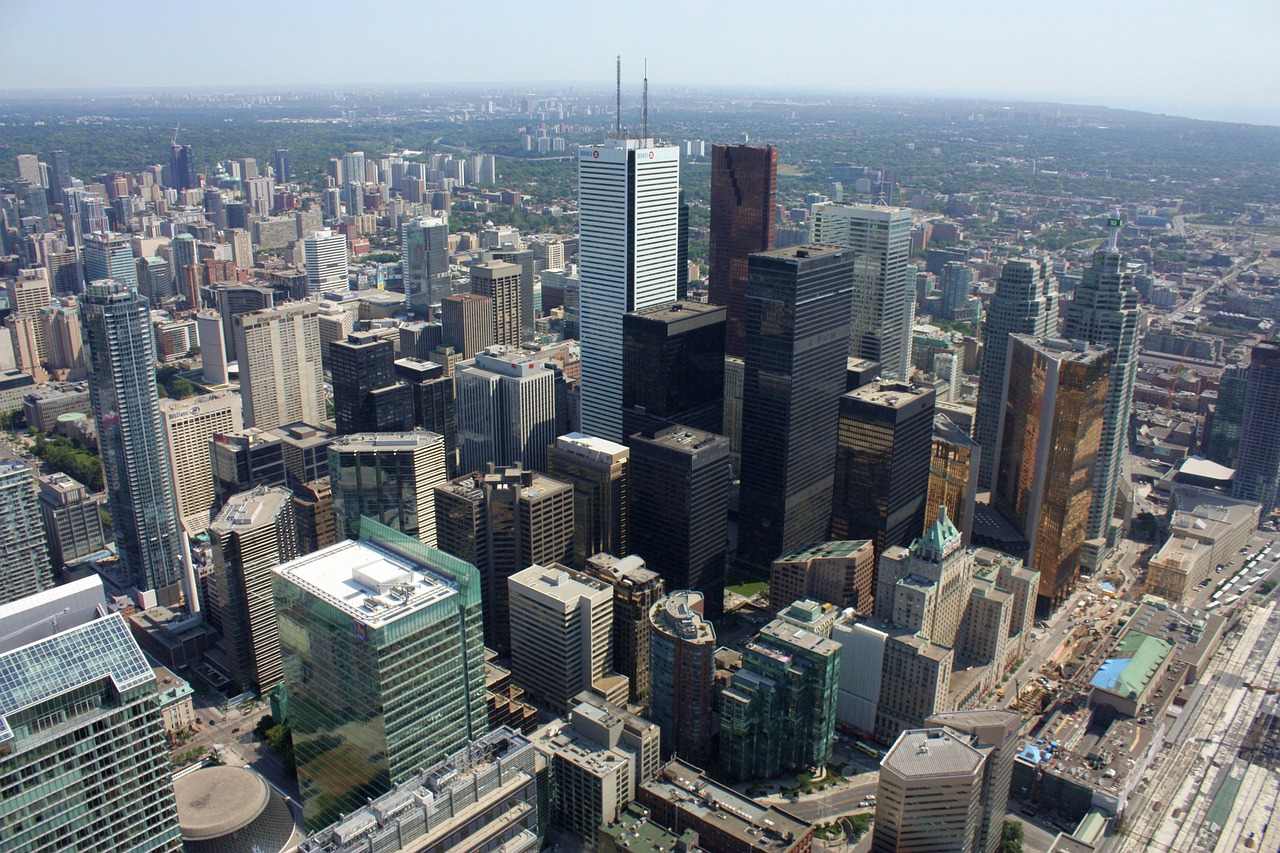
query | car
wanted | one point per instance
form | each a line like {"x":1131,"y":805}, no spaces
{"x":235,"y":730}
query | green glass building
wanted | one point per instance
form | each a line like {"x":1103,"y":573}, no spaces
{"x":382,"y":646}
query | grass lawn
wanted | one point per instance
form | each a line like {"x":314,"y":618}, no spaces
{"x":746,"y":590}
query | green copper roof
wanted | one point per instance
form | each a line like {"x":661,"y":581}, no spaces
{"x":1136,"y":659}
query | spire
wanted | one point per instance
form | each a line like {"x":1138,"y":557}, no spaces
{"x":1113,"y":228}
{"x":645,"y":112}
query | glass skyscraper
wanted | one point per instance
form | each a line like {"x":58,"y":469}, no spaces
{"x":424,"y":244}
{"x":744,"y":191}
{"x":108,"y":255}
{"x":383,"y":652}
{"x":24,"y":556}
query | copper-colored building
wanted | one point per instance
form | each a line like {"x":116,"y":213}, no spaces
{"x":744,"y":190}
{"x":953,"y":476}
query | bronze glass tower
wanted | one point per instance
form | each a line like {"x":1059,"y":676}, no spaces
{"x":744,"y":190}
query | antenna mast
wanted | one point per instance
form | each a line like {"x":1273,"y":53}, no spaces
{"x":645,"y":102}
{"x":618,"y":107}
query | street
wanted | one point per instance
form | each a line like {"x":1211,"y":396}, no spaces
{"x":234,"y":730}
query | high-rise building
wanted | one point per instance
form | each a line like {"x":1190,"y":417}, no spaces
{"x":29,"y":167}
{"x":597,"y":470}
{"x":842,"y":573}
{"x":953,"y":476}
{"x":325,"y":255}
{"x":424,"y":247}
{"x":284,"y":172}
{"x":882,"y":464}
{"x":682,"y":648}
{"x":1025,"y":303}
{"x":956,"y":284}
{"x":281,"y":378}
{"x":367,"y":397}
{"x":506,"y":409}
{"x":314,"y":516}
{"x":184,"y":258}
{"x":1222,"y":439}
{"x":126,"y":410}
{"x":744,"y":190}
{"x":82,"y":747}
{"x":992,"y":731}
{"x":562,"y":636}
{"x":155,"y":279}
{"x":1258,"y":454}
{"x":59,"y":172}
{"x":1053,"y":402}
{"x":108,"y":255}
{"x":466,"y":321}
{"x":353,"y":170}
{"x":252,"y":534}
{"x":419,"y":338}
{"x":182,"y":168}
{"x":673,"y":367}
{"x":29,"y":294}
{"x":883,"y":309}
{"x":24,"y":557}
{"x":930,"y":793}
{"x":1104,"y":311}
{"x":72,"y":522}
{"x":354,"y":619}
{"x":678,"y":499}
{"x":797,"y":302}
{"x":502,"y":522}
{"x":635,"y":590}
{"x":189,"y":426}
{"x":431,"y":395}
{"x":284,"y":456}
{"x":234,"y":300}
{"x":500,"y":282}
{"x":628,"y":223}
{"x":389,"y":477}
{"x":525,"y":259}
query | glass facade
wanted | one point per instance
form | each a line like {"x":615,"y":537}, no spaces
{"x":744,"y":190}
{"x":673,"y":367}
{"x":387,"y":477}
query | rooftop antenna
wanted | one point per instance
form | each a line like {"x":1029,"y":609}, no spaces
{"x":645,"y":102}
{"x":618,"y":108}
{"x":1113,"y":226}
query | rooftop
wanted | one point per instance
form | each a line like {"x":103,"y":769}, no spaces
{"x":385,"y":441}
{"x":892,"y":395}
{"x":250,"y":510}
{"x":217,"y":801}
{"x":634,"y":831}
{"x":559,"y":583}
{"x":681,"y":613}
{"x":926,"y":753}
{"x":836,"y":549}
{"x":1133,"y":663}
{"x":592,"y":448}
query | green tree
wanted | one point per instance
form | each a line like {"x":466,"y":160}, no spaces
{"x":1011,"y":837}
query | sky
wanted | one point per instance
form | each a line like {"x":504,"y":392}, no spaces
{"x":1212,"y":60}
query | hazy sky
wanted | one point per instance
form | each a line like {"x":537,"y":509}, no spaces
{"x":1204,"y":59}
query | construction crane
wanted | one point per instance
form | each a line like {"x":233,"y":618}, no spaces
{"x":1262,"y":688}
{"x":176,"y":128}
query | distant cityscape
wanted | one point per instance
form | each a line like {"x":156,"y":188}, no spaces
{"x":496,"y":471}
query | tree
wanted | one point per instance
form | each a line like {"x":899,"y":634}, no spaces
{"x":1011,"y":837}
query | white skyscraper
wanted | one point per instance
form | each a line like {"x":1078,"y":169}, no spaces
{"x":189,"y":426}
{"x":883,"y":299}
{"x":326,"y":259}
{"x":506,"y":410}
{"x":628,"y":224}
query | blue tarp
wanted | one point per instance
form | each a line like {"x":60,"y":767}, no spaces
{"x":1031,"y":753}
{"x":1109,"y":673}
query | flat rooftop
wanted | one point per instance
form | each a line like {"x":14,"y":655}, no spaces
{"x":372,"y":585}
{"x":836,"y":549}
{"x":928,"y":753}
{"x":590,"y":447}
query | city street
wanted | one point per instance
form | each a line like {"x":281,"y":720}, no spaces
{"x":233,"y":730}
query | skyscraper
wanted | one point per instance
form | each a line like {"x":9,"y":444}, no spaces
{"x":424,"y":247}
{"x":325,"y":254}
{"x":281,"y":376}
{"x":126,"y":410}
{"x":72,"y":523}
{"x":523,"y":258}
{"x":234,"y":299}
{"x":431,"y":395}
{"x":882,"y":464}
{"x":1258,"y":456}
{"x":744,"y":188}
{"x":59,"y":172}
{"x":635,"y":590}
{"x":678,"y":495}
{"x":682,"y":647}
{"x":501,"y":522}
{"x":189,"y":426}
{"x":251,"y":535}
{"x":992,"y":732}
{"x":367,"y":397}
{"x":883,"y":309}
{"x":1054,"y":398}
{"x":597,"y":470}
{"x":389,"y":477}
{"x":108,"y":255}
{"x":184,"y":257}
{"x":1025,"y":303}
{"x":24,"y":557}
{"x":956,"y":284}
{"x":1105,"y":312}
{"x":155,"y":279}
{"x":182,"y":167}
{"x":355,"y":618}
{"x":466,"y":321}
{"x":628,"y":223}
{"x":284,"y":172}
{"x":506,"y":408}
{"x":953,"y":476}
{"x":1222,"y":439}
{"x":797,"y":304}
{"x":930,"y":793}
{"x":501,"y":283}
{"x":673,"y":367}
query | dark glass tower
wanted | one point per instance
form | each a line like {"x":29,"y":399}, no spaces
{"x":682,"y":251}
{"x":1258,"y":457}
{"x":182,"y":166}
{"x":284,"y":173}
{"x":798,"y":304}
{"x":1223,"y":438}
{"x":744,"y":191}
{"x":366,"y":395}
{"x":431,"y":391}
{"x":673,"y":367}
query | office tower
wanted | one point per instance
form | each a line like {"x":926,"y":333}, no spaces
{"x":24,"y":337}
{"x":1258,"y":456}
{"x":779,"y":711}
{"x":682,"y":650}
{"x":956,"y":284}
{"x":213,"y":348}
{"x":126,"y":410}
{"x":366,"y":395}
{"x":744,"y":189}
{"x":678,"y":498}
{"x":953,"y":476}
{"x":562,"y":636}
{"x":252,"y":534}
{"x":502,"y":522}
{"x":72,"y":523}
{"x":353,"y":168}
{"x":506,"y":408}
{"x":182,"y":167}
{"x":108,"y":255}
{"x":797,"y":302}
{"x":215,"y":208}
{"x":24,"y":557}
{"x":466,"y":321}
{"x":241,"y":248}
{"x":184,"y":256}
{"x":83,"y":755}
{"x":354,"y":619}
{"x":281,"y":378}
{"x":325,"y":255}
{"x":59,"y":172}
{"x":883,"y":308}
{"x":1054,"y":398}
{"x":1025,"y":303}
{"x":929,"y":796}
{"x":628,"y":221}
{"x":418,"y":339}
{"x":597,"y":470}
{"x":682,"y":249}
{"x":525,"y":259}
{"x":64,"y":271}
{"x":314,"y":516}
{"x":432,"y":398}
{"x":635,"y":590}
{"x":234,"y":300}
{"x":842,"y":573}
{"x":29,"y":295}
{"x":734,"y":376}
{"x":189,"y":426}
{"x":500,"y":282}
{"x":1105,"y":312}
{"x":388,"y":477}
{"x":155,"y":279}
{"x":284,"y":172}
{"x":29,"y":167}
{"x":424,"y":247}
{"x":259,"y":193}
{"x":673,"y":367}
{"x":882,"y":464}
{"x":63,"y":341}
{"x":991,"y":732}
{"x":1222,"y":438}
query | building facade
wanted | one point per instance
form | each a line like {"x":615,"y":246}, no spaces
{"x":389,"y":477}
{"x":598,"y":471}
{"x":506,"y":410}
{"x":682,"y":647}
{"x":744,"y":190}
{"x":673,"y":367}
{"x":281,"y":374}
